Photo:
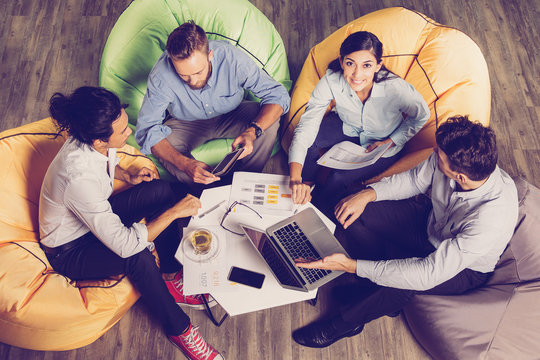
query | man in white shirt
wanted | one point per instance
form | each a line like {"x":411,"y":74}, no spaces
{"x":88,"y":233}
{"x":407,"y":243}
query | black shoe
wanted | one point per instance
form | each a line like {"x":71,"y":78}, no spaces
{"x":324,"y":333}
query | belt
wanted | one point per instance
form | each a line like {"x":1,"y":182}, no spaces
{"x":53,"y":251}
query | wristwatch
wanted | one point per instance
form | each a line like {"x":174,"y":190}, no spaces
{"x":258,"y":130}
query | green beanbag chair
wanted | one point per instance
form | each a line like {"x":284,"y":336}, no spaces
{"x":140,"y":35}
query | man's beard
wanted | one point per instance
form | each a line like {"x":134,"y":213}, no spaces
{"x":202,"y":83}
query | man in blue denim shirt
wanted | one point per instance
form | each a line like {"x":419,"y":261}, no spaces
{"x":201,"y":84}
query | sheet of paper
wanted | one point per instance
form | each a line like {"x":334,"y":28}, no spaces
{"x":266,"y":193}
{"x":210,"y":276}
{"x":237,"y":298}
{"x":348,"y":156}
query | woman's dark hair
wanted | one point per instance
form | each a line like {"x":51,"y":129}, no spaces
{"x":363,"y":40}
{"x":87,"y":114}
{"x":470,"y":147}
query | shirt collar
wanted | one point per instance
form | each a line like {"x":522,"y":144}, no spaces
{"x":378,"y":90}
{"x":484,"y":189}
{"x":213,"y":75}
{"x":93,"y":153}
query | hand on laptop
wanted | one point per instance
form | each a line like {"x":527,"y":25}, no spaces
{"x":340,"y":262}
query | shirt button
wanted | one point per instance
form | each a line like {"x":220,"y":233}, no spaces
{"x":206,"y":105}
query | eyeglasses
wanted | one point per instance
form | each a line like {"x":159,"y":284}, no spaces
{"x":231,"y":209}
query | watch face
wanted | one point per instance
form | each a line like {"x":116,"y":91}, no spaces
{"x":258,"y":130}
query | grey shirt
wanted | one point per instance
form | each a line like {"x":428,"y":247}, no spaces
{"x":469,"y":229}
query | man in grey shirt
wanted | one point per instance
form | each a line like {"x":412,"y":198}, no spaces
{"x":406,"y":243}
{"x":200,"y":84}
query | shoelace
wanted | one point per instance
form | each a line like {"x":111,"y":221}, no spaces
{"x":196,"y":343}
{"x":179,"y":284}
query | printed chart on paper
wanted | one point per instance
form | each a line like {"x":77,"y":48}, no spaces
{"x":265,"y":193}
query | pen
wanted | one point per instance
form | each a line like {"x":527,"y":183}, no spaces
{"x":211,"y":209}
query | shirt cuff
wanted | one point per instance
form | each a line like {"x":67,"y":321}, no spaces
{"x":142,"y":233}
{"x":153,"y":136}
{"x":297,"y":154}
{"x":284,"y":104}
{"x":364,"y":268}
{"x":379,"y":190}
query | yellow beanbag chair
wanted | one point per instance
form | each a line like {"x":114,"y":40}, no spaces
{"x":442,"y":63}
{"x":40,"y":309}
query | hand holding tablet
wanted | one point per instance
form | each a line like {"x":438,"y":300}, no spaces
{"x":228,"y":162}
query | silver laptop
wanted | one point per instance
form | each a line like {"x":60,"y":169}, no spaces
{"x":303,"y":235}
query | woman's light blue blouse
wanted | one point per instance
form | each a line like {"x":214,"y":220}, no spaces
{"x":393,"y":110}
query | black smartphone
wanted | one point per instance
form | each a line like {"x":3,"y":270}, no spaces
{"x":246,"y":277}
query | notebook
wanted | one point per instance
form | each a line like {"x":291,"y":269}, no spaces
{"x":303,"y":235}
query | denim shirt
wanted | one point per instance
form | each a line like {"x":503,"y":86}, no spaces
{"x":381,"y":117}
{"x":232,"y":72}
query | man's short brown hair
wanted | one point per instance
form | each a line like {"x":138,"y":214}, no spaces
{"x":471,"y":148}
{"x":186,"y":39}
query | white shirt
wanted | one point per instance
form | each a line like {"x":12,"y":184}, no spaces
{"x":379,"y":118}
{"x":74,"y":200}
{"x":469,"y":229}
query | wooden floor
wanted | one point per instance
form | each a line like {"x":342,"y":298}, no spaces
{"x":55,"y":45}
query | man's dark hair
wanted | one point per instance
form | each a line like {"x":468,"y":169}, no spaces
{"x":186,"y":39}
{"x":470,"y":147}
{"x":87,"y":114}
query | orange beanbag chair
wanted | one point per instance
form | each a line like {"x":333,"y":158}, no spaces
{"x":40,"y":309}
{"x":442,"y":63}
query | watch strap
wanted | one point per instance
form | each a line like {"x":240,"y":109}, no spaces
{"x":258,"y":130}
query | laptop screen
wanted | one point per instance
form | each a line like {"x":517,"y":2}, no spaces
{"x":268,"y":252}
{"x":256,"y":237}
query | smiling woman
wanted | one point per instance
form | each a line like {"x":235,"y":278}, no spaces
{"x":373,"y":107}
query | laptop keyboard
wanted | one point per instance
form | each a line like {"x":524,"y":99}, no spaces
{"x":298,"y":246}
{"x":277,"y":266}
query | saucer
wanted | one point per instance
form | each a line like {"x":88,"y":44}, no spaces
{"x":189,"y":251}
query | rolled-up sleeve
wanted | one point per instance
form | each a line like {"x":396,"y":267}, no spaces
{"x":417,"y":111}
{"x":418,"y":273}
{"x":84,"y":198}
{"x":150,"y":129}
{"x":261,"y":84}
{"x":307,"y":129}
{"x":407,"y":184}
{"x":480,"y":236}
